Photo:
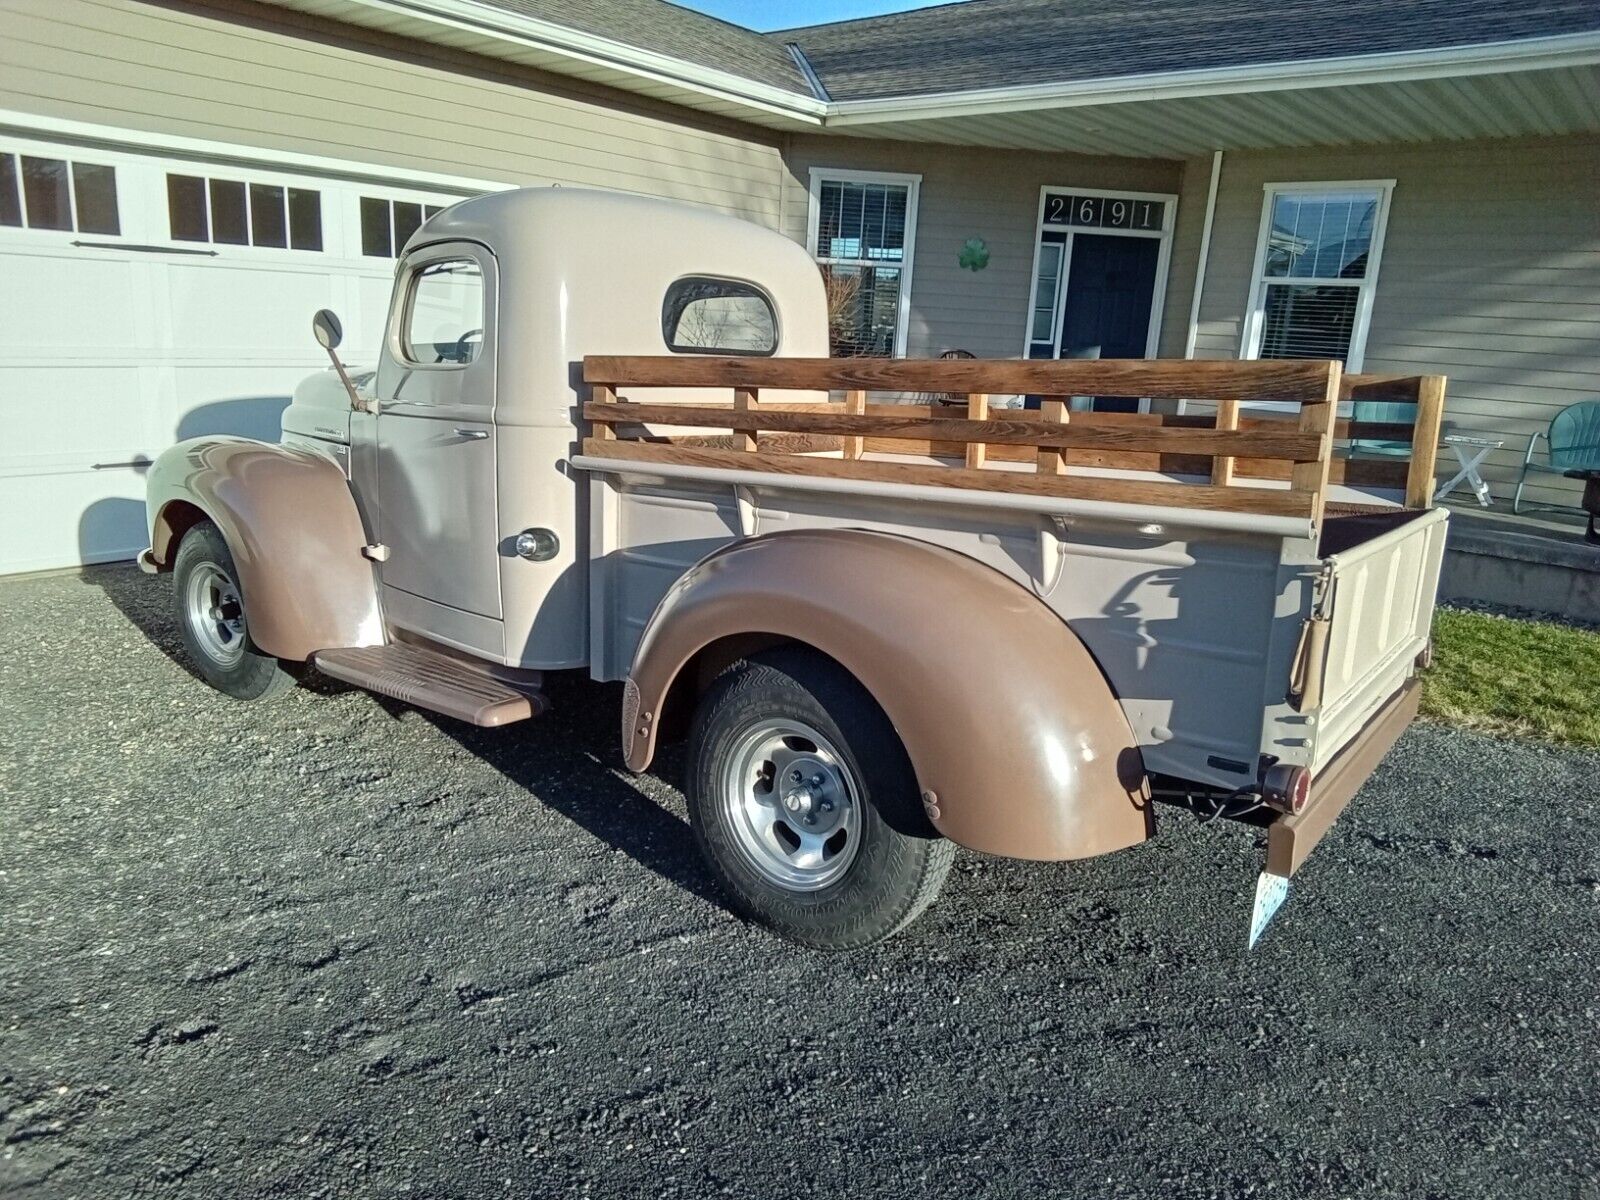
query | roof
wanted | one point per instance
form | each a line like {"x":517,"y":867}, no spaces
{"x":665,"y":28}
{"x":985,"y":44}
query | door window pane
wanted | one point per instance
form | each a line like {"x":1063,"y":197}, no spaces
{"x":10,"y":196}
{"x":305,"y":219}
{"x":1044,"y":296}
{"x":45,"y":188}
{"x":267,"y":225}
{"x":186,"y":208}
{"x":718,"y":316}
{"x":228,"y":220}
{"x":1321,"y":235}
{"x":444,"y":318}
{"x":95,"y":189}
{"x":375,"y":238}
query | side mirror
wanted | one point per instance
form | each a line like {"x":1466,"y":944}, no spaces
{"x":325,"y":327}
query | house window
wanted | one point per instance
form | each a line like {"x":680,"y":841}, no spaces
{"x":862,"y":231}
{"x":718,"y":316}
{"x":1316,"y":271}
{"x":233,"y":213}
{"x":387,"y":225}
{"x":52,"y":193}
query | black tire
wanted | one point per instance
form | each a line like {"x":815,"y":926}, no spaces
{"x":218,"y":643}
{"x":899,"y":860}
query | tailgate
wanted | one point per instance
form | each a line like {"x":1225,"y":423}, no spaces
{"x":1378,"y":602}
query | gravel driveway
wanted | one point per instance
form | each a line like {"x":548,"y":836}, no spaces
{"x":331,"y":946}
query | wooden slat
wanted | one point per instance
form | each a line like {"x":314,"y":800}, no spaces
{"x":1052,"y":460}
{"x":1222,"y":465}
{"x":1280,"y":440}
{"x":1171,"y":379}
{"x":744,"y":401}
{"x":1311,"y":478}
{"x":977,"y":413}
{"x":1267,"y":501}
{"x":1425,"y":442}
{"x":855,"y":405}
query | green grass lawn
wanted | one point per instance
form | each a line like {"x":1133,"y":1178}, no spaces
{"x":1528,"y":678}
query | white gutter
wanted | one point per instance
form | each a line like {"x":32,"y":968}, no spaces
{"x":487,"y":20}
{"x":1144,"y":514}
{"x":1528,"y":54}
{"x":1200,"y":263}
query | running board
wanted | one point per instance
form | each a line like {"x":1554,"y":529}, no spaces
{"x":430,"y":680}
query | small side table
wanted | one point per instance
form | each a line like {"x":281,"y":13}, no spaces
{"x":1460,"y":444}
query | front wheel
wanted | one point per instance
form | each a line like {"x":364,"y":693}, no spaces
{"x":211,"y":618}
{"x":805,"y":805}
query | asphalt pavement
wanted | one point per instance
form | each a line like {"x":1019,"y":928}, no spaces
{"x":330,"y":946}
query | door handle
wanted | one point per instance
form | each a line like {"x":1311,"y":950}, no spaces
{"x":472,"y":435}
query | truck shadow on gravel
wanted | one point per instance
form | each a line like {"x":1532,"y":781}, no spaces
{"x":569,"y":759}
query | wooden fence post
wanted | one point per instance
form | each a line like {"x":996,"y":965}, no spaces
{"x":1318,"y":417}
{"x":1425,"y":441}
{"x":603,"y":393}
{"x":977,"y":410}
{"x":1052,"y":460}
{"x":744,"y":400}
{"x":855,"y":405}
{"x":1227,"y":418}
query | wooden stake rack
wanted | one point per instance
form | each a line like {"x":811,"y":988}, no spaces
{"x":974,"y":445}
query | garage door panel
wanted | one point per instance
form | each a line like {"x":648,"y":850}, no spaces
{"x":60,"y":520}
{"x":249,"y":308}
{"x":245,"y":401}
{"x":70,"y":413}
{"x":57,"y":303}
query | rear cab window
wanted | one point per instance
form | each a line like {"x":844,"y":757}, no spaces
{"x":703,"y":315}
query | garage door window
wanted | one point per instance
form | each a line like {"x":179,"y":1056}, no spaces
{"x":387,"y":225}
{"x":444,"y":314}
{"x":232,"y":213}
{"x":52,"y":193}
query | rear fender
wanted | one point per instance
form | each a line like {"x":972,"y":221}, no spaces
{"x":293,"y":529}
{"x":1019,"y":745}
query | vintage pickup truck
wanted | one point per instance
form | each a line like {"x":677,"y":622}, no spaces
{"x":604,"y":435}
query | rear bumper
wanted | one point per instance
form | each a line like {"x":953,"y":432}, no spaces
{"x":1291,"y":839}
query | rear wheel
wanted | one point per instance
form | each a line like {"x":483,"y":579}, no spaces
{"x":211,"y":618}
{"x":805,"y":804}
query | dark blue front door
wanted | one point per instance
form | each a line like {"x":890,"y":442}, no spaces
{"x":1111,"y":285}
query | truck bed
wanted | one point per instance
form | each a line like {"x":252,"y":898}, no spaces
{"x":1200,"y":595}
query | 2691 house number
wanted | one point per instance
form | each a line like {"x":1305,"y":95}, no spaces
{"x":1086,"y":210}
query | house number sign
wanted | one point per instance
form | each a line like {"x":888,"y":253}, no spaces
{"x":1085,"y":210}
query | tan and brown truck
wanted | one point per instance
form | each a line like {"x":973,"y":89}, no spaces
{"x":604,"y":436}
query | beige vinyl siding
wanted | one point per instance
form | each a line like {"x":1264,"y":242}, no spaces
{"x":252,"y":75}
{"x":1490,"y":275}
{"x":969,"y":192}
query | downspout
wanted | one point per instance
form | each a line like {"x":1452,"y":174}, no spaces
{"x":1205,"y":254}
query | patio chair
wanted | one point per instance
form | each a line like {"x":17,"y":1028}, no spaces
{"x":1572,"y":446}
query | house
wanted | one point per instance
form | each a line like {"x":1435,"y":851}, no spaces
{"x":1407,"y":185}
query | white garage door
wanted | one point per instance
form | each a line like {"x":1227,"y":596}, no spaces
{"x":150,"y":299}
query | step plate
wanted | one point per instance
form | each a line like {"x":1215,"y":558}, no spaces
{"x":428,"y":680}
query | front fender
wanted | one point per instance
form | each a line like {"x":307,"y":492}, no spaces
{"x":293,"y":529}
{"x":1019,"y":745}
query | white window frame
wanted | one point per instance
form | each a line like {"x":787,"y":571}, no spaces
{"x":913,"y":185}
{"x":1255,"y":312}
{"x":1169,"y":219}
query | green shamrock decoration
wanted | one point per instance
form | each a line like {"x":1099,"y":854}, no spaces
{"x":974,"y":254}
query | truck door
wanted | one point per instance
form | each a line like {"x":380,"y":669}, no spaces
{"x":435,"y":430}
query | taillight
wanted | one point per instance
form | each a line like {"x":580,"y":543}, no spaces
{"x":1287,"y":789}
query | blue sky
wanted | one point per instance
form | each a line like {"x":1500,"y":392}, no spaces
{"x":785,"y":14}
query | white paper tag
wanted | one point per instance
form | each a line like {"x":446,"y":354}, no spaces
{"x":1271,"y":891}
